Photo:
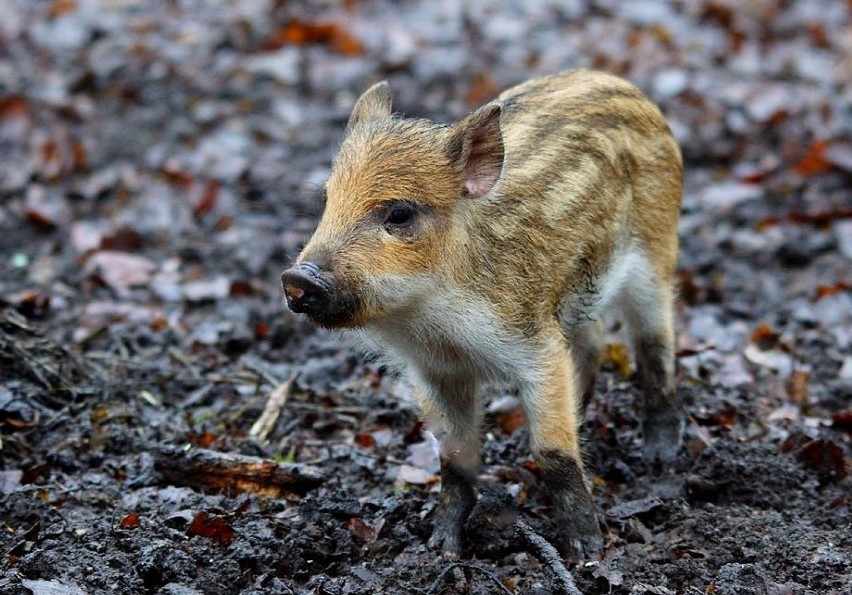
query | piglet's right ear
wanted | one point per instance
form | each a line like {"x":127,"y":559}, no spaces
{"x":374,"y":103}
{"x":476,"y":149}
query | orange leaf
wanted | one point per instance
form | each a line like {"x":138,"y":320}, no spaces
{"x":204,"y":440}
{"x":531,"y":466}
{"x":814,"y":161}
{"x":60,"y":7}
{"x":616,"y":355}
{"x":301,"y":33}
{"x":827,"y":290}
{"x":129,"y":521}
{"x":764,"y":337}
{"x":511,"y":420}
{"x":365,"y":439}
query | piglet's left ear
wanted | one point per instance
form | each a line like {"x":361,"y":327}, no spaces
{"x":374,"y":103}
{"x":476,"y":148}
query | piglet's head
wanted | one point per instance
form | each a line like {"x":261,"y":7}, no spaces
{"x":394,"y":218}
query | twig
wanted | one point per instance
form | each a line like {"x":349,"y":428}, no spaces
{"x":274,"y":405}
{"x":207,"y":469}
{"x":468,"y":566}
{"x":548,"y":554}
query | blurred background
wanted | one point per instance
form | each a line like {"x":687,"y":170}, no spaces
{"x":160,"y":162}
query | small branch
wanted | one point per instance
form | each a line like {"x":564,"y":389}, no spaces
{"x":548,"y":554}
{"x":468,"y":566}
{"x":274,"y":405}
{"x":208,"y":469}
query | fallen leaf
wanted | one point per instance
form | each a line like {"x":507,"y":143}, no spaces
{"x":60,"y":7}
{"x":631,"y":508}
{"x":826,"y":290}
{"x":213,"y":289}
{"x":507,"y":414}
{"x":207,"y":200}
{"x":122,"y":238}
{"x":415,"y":475}
{"x":814,"y":160}
{"x":842,"y":420}
{"x":129,"y":521}
{"x":788,"y":412}
{"x":40,"y":587}
{"x":213,"y":527}
{"x":302,"y":33}
{"x":797,"y":387}
{"x":32,"y":303}
{"x":362,"y":530}
{"x":10,"y":481}
{"x":204,"y":440}
{"x":46,"y":210}
{"x":13,"y":106}
{"x":365,"y":440}
{"x":764,"y":337}
{"x":618,"y":357}
{"x":773,"y":359}
{"x":825,"y":457}
{"x":426,"y":455}
{"x":120,"y":271}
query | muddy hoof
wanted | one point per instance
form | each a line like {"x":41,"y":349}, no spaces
{"x":579,"y":536}
{"x":662,"y":437}
{"x":447,"y":539}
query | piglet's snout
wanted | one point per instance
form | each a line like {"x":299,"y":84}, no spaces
{"x":306,"y":290}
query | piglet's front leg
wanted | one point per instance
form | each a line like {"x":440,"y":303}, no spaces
{"x":552,"y":406}
{"x":456,"y":501}
{"x":450,"y":406}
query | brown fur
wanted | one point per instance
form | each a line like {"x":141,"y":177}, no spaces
{"x":532,"y":214}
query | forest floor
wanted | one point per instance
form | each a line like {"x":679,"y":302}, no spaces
{"x":160,"y":165}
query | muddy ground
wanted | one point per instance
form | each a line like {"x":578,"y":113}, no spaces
{"x":160,"y":166}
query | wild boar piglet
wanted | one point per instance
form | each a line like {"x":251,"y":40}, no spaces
{"x":488,"y":249}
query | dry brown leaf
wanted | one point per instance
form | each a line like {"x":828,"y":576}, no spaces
{"x":826,"y":458}
{"x":797,"y":387}
{"x":13,"y":106}
{"x":207,"y":201}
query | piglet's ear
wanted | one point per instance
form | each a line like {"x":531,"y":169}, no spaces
{"x":476,"y":149}
{"x":374,"y":103}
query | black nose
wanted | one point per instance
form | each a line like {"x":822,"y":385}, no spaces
{"x":304,"y":289}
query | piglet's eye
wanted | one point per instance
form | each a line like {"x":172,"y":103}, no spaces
{"x":401,"y":216}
